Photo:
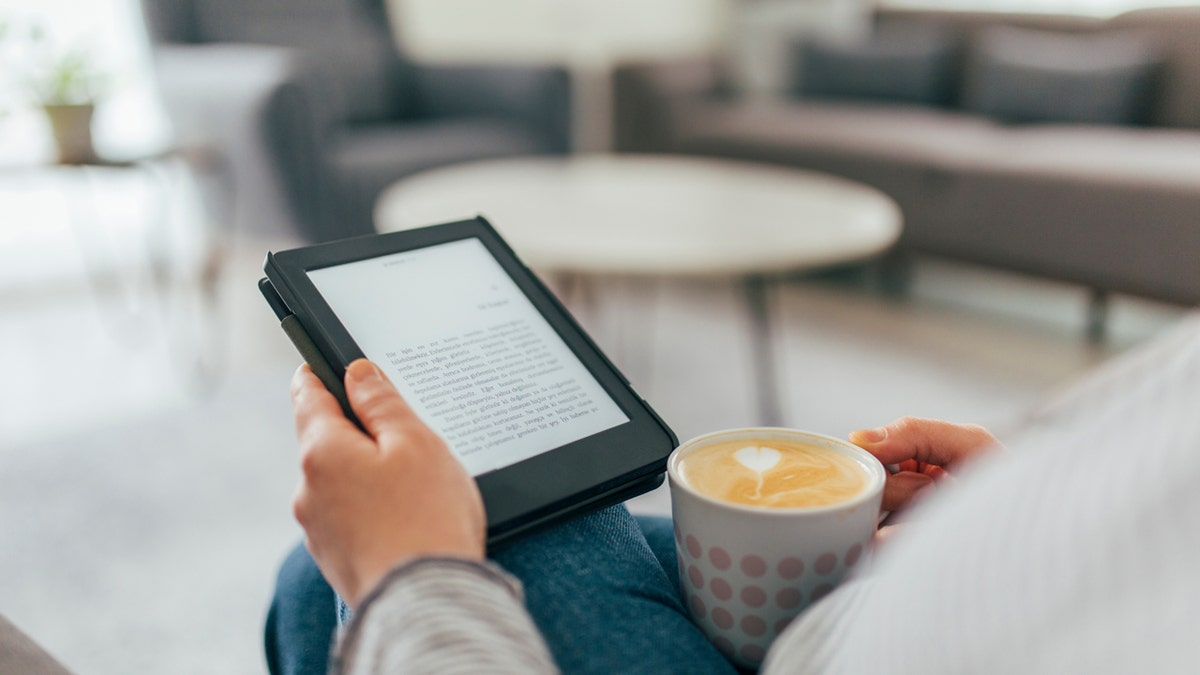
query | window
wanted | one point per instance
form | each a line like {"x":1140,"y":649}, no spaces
{"x":110,"y":33}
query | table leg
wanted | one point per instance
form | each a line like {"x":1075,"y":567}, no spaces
{"x":769,"y":412}
{"x":101,"y":246}
{"x":205,"y":337}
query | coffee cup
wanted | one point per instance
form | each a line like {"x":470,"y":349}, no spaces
{"x":767,"y":522}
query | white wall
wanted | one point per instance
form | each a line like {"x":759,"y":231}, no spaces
{"x":542,"y":30}
{"x":557,"y":30}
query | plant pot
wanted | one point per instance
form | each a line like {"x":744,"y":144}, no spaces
{"x":72,"y":128}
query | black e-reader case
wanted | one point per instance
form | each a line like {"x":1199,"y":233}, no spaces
{"x":585,"y":475}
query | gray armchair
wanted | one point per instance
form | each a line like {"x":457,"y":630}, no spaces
{"x":313,"y":96}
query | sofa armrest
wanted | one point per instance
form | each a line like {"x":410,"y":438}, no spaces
{"x":538,"y":97}
{"x":265,"y":109}
{"x":20,"y":654}
{"x":207,"y":89}
{"x":645,"y":92}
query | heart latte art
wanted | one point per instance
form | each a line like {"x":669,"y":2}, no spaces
{"x":773,"y":473}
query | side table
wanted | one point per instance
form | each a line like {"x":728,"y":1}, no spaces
{"x":109,"y":224}
{"x":653,"y":216}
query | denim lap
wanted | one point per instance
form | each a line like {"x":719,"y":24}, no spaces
{"x":602,"y":589}
{"x":301,"y":620}
{"x":603,"y":600}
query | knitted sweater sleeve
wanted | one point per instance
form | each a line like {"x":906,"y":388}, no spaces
{"x":443,"y":615}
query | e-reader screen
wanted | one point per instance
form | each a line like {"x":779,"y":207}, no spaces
{"x":468,"y":350}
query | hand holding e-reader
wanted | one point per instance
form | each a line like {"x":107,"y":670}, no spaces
{"x":485,"y":355}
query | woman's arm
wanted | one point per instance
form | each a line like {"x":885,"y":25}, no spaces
{"x":443,"y":615}
{"x":397,"y":527}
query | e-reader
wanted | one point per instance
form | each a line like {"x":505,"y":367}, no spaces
{"x":486,"y":356}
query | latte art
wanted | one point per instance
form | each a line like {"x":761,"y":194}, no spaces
{"x":773,"y":473}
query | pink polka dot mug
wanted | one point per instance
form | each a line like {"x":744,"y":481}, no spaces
{"x":747,"y":571}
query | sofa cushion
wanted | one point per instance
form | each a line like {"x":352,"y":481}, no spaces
{"x":904,"y":64}
{"x":1113,"y":207}
{"x":913,"y":134}
{"x":1172,"y":31}
{"x":896,"y":148}
{"x":1159,"y":159}
{"x":952,"y":143}
{"x":1019,"y":76}
{"x":368,"y":159}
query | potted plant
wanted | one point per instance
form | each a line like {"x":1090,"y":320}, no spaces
{"x":64,"y":84}
{"x":67,"y":90}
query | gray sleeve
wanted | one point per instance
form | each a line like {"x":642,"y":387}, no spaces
{"x":443,"y":615}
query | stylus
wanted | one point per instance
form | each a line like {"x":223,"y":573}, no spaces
{"x":272,"y":296}
{"x":317,"y":362}
{"x":307,"y":348}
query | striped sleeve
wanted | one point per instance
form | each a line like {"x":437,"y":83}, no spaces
{"x":811,"y":644}
{"x":1074,"y":552}
{"x":443,"y":615}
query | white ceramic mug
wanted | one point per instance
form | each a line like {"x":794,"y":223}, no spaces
{"x":747,"y":571}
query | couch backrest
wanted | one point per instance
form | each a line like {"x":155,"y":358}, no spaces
{"x":170,"y":21}
{"x":348,"y":40}
{"x":1174,"y":32}
{"x":290,"y":23}
{"x":963,"y":27}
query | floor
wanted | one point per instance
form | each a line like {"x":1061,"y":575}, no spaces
{"x":147,"y":458}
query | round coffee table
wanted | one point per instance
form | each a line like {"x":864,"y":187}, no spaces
{"x":659,"y":215}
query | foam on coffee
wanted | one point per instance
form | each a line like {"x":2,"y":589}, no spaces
{"x":773,"y":473}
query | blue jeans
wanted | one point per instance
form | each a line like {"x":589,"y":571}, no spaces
{"x":603,"y":590}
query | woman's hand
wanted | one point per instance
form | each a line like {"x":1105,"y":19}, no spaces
{"x":370,"y":501}
{"x":924,"y":450}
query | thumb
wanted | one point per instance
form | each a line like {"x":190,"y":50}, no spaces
{"x":925,"y":440}
{"x":376,"y":402}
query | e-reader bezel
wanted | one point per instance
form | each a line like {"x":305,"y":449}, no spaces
{"x":585,"y":473}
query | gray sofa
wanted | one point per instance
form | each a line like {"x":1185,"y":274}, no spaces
{"x":1113,"y":205}
{"x":312,"y":99}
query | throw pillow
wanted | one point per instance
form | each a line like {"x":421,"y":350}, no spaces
{"x":1020,"y":76}
{"x":902,"y":64}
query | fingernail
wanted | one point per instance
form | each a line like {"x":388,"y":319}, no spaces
{"x":363,"y":370}
{"x":871,"y":435}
